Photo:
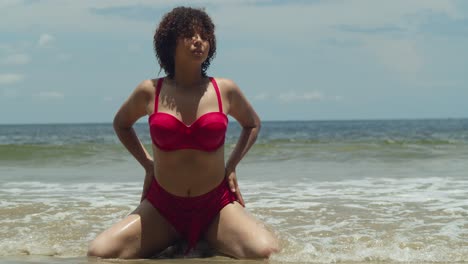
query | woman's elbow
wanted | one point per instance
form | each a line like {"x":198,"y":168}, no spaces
{"x":257,"y":124}
{"x":121,"y":123}
{"x":116,"y":124}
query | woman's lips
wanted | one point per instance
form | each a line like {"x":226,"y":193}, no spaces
{"x":198,"y":51}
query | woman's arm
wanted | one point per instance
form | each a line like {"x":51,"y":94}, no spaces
{"x":131,"y":110}
{"x":243,"y":112}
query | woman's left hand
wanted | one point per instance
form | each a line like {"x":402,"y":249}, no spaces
{"x":233,"y":186}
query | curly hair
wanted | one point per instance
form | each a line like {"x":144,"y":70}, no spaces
{"x":182,"y":22}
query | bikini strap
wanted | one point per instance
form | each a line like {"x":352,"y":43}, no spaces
{"x":158,"y":90}
{"x":220,"y":103}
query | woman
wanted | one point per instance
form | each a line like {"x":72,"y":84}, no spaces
{"x":189,"y":192}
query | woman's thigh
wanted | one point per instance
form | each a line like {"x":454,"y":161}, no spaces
{"x":143,"y":233}
{"x":236,"y":233}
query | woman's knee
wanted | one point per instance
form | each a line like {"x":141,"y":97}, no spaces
{"x":98,"y":249}
{"x":261,"y":248}
{"x":266,"y":247}
{"x":105,"y":249}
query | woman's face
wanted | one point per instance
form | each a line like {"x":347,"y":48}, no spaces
{"x":193,"y":48}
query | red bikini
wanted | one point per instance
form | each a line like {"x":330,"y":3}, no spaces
{"x":207,"y":133}
{"x":190,"y":216}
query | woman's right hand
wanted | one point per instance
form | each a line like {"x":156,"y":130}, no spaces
{"x":149,"y":177}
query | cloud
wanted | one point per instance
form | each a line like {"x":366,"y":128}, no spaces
{"x":133,"y":12}
{"x":72,"y":16}
{"x":295,"y":97}
{"x":51,"y":95}
{"x":370,"y":30}
{"x":291,"y":97}
{"x":63,"y":57}
{"x":45,"y":40}
{"x":10,"y":78}
{"x":261,"y":97}
{"x":301,"y":16}
{"x":399,"y":55}
{"x":337,"y":98}
{"x":16,"y":59}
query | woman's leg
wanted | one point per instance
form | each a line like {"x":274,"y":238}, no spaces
{"x":236,"y":233}
{"x":141,"y":234}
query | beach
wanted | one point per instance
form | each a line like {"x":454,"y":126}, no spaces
{"x":364,"y":191}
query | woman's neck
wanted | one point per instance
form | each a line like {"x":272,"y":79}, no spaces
{"x":187,"y":76}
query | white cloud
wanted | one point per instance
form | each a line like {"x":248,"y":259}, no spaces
{"x":51,"y":95}
{"x":69,"y":16}
{"x":297,"y":97}
{"x":294,"y":97}
{"x":10,"y":78}
{"x":62,"y":57}
{"x":16,"y":59}
{"x":261,"y":97}
{"x":45,"y":40}
{"x":400,"y":55}
{"x":318,"y":20}
{"x":337,"y":98}
{"x":299,"y":18}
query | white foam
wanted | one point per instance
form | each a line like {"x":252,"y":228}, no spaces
{"x":369,"y":219}
{"x":387,"y":211}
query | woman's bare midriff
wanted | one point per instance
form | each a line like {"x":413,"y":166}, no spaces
{"x":188,"y":172}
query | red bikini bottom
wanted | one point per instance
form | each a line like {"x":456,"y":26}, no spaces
{"x":190,"y":216}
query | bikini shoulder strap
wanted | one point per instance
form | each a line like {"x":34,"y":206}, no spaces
{"x":218,"y":94}
{"x":158,"y":90}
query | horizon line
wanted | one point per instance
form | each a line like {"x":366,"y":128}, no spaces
{"x":269,"y":120}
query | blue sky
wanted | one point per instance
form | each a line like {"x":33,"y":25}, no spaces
{"x":77,"y":61}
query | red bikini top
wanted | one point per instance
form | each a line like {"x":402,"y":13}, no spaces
{"x":207,"y":133}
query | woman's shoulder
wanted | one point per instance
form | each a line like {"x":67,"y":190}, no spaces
{"x":226,"y":84}
{"x":148,"y":84}
{"x":146,"y":87}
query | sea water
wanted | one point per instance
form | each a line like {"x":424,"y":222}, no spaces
{"x":332,"y":191}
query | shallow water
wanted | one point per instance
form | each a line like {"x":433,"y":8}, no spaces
{"x":335,"y":191}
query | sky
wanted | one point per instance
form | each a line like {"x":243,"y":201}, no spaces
{"x":68,"y":61}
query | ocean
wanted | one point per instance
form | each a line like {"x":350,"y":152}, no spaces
{"x":386,"y":191}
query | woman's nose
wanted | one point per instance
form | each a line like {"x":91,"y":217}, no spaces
{"x":197,"y":39}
